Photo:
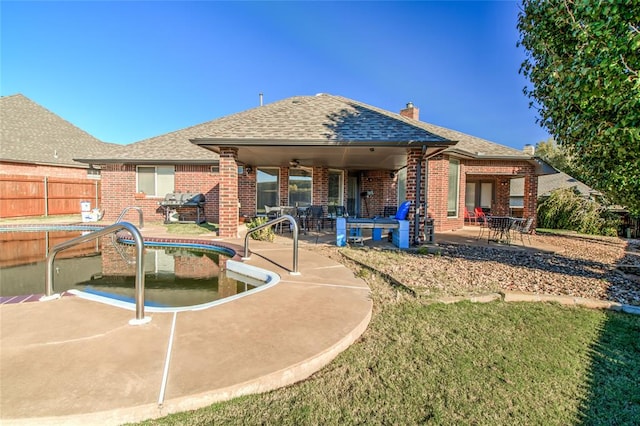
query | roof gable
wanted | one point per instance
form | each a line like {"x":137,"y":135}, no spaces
{"x":31,"y":133}
{"x":474,"y":146}
{"x":317,"y":119}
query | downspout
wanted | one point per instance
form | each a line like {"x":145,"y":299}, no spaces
{"x":416,"y":216}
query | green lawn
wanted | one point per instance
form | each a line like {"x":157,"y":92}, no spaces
{"x":465,"y":363}
{"x":191,"y":228}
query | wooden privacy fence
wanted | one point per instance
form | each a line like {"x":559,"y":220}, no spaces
{"x":45,"y":196}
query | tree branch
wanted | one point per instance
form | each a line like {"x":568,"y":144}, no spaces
{"x":627,"y":66}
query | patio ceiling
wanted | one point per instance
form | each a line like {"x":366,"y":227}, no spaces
{"x":347,"y":157}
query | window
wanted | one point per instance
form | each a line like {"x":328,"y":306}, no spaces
{"x":470,"y":196}
{"x":93,"y":173}
{"x":267,"y":188}
{"x":401,"y":176}
{"x":300,"y":181}
{"x":156,"y":180}
{"x":452,"y":193}
{"x":215,"y":168}
{"x":486,"y":194}
{"x":479,"y":194}
{"x":336,"y":187}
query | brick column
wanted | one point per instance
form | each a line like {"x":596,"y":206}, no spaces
{"x":413,"y":159}
{"x":320,"y":186}
{"x":531,"y":198}
{"x":284,"y":186}
{"x":503,"y":191}
{"x":228,"y":193}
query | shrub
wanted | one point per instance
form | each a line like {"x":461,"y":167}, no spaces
{"x":566,"y":208}
{"x":264,"y":234}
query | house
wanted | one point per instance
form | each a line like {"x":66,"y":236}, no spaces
{"x":629,"y":225}
{"x":547,"y":184}
{"x":321,"y":149}
{"x":38,"y":173}
{"x":37,"y":142}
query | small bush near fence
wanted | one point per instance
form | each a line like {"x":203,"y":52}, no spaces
{"x":567,"y":209}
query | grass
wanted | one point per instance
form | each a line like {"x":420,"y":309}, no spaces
{"x":465,"y":363}
{"x":191,"y":228}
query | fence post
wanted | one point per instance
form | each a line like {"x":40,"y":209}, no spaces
{"x":46,"y":196}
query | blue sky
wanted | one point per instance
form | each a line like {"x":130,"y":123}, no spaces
{"x":125,"y":71}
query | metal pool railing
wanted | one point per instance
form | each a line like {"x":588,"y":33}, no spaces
{"x":282,"y":218}
{"x":126,"y":209}
{"x":139,"y":283}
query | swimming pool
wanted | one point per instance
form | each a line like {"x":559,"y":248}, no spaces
{"x":179,"y":274}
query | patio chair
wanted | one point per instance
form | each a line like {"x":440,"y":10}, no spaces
{"x":481,"y":216}
{"x":334,"y":212}
{"x":389,"y":211}
{"x":316,"y":217}
{"x":403,"y":211}
{"x":470,"y":217}
{"x":484,"y":226}
{"x":287,"y":210}
{"x":524,"y":228}
{"x":499,"y":229}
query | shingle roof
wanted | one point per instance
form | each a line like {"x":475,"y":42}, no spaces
{"x":474,"y":146}
{"x":29,"y":133}
{"x":547,"y":183}
{"x":317,"y":119}
{"x":304,"y":120}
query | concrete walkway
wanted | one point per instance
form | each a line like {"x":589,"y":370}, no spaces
{"x":73,"y":361}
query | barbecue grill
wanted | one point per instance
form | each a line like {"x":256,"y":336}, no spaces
{"x":182,"y":200}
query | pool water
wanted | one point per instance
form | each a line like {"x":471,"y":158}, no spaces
{"x":175,"y":275}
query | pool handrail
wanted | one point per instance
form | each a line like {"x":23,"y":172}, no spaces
{"x":275,"y":221}
{"x":139,"y":283}
{"x":126,"y":209}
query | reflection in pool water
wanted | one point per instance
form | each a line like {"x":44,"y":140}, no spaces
{"x":175,"y":275}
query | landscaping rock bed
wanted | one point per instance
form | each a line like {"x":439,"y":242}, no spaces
{"x":582,"y":267}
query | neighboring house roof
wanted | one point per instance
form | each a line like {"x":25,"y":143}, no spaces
{"x":548,"y":183}
{"x":29,"y":133}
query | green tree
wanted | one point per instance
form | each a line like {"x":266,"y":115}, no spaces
{"x":556,"y":156}
{"x":583,"y":60}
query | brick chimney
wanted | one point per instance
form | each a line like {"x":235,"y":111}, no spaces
{"x":410,"y":112}
{"x":529,"y":150}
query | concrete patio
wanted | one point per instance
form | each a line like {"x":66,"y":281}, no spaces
{"x":73,"y":361}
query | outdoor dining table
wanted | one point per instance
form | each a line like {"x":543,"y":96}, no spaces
{"x":500,"y":228}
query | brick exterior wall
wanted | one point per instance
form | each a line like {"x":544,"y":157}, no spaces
{"x":224,"y":190}
{"x":495,"y":171}
{"x":119,"y":192}
{"x":247,"y":193}
{"x":437,"y":186}
{"x":8,"y":168}
{"x":385,"y":192}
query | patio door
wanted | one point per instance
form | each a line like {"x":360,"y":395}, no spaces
{"x":267,"y":188}
{"x":336,"y":188}
{"x":479,"y":194}
{"x":353,"y":194}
